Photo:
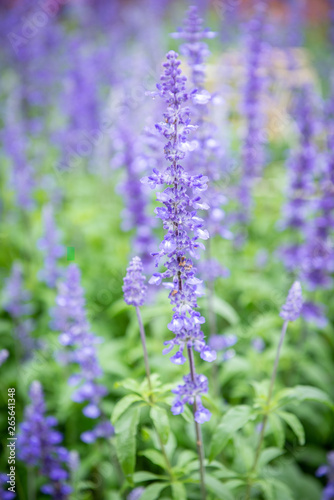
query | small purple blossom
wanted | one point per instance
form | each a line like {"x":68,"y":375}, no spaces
{"x":292,"y":308}
{"x":39,"y":446}
{"x":4,"y":493}
{"x":136,"y":493}
{"x":258,"y":344}
{"x":52,"y":250}
{"x":328,"y":471}
{"x":134,"y":287}
{"x":4,"y":353}
{"x":69,"y":318}
{"x":222,"y":342}
{"x":189,"y":392}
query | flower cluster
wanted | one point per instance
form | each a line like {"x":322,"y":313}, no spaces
{"x":38,"y":445}
{"x":134,"y":284}
{"x":183,"y":227}
{"x":69,"y":317}
{"x":253,"y":147}
{"x":16,"y":301}
{"x":51,"y":248}
{"x":293,"y":306}
{"x":189,"y":392}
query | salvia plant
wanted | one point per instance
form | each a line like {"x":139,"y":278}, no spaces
{"x":129,"y":369}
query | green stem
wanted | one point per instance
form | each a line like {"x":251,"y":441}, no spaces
{"x":199,"y":439}
{"x":266,"y":414}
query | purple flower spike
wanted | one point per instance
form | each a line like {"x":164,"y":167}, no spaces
{"x":51,"y":249}
{"x":69,"y":318}
{"x":4,"y":493}
{"x":184,"y":229}
{"x":328,"y":471}
{"x":37,"y":446}
{"x":134,"y":284}
{"x":190,"y":392}
{"x":293,"y":306}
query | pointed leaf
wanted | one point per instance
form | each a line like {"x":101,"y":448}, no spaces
{"x":153,"y":491}
{"x":268,"y":455}
{"x":179,"y":491}
{"x":126,"y":430}
{"x":219,"y":489}
{"x":305,"y":393}
{"x":161,"y":422}
{"x":233,"y":420}
{"x":155,"y":457}
{"x":295,"y":424}
{"x":277,"y":429}
{"x":122,"y":405}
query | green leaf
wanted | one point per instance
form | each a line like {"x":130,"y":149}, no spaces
{"x":130,"y":385}
{"x":161,"y":422}
{"x":142,"y":476}
{"x":233,"y":420}
{"x":225,"y":310}
{"x":305,"y":393}
{"x":277,"y":429}
{"x":126,"y":430}
{"x":179,"y":492}
{"x":281,"y":487}
{"x":267,"y":489}
{"x":122,"y":405}
{"x":153,"y":491}
{"x":295,"y":424}
{"x":268,"y":455}
{"x":155,"y":457}
{"x":219,"y":489}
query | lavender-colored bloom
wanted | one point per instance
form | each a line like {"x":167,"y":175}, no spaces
{"x":134,"y":284}
{"x":208,"y":155}
{"x":253,"y":147}
{"x":16,"y":301}
{"x":222,"y":342}
{"x":293,"y":306}
{"x":22,"y":174}
{"x":38,"y":446}
{"x":328,"y":471}
{"x":258,"y":344}
{"x":190,"y":392}
{"x":136,"y":493}
{"x":69,"y":317}
{"x":4,"y":493}
{"x":183,"y":227}
{"x":4,"y":353}
{"x":51,"y":249}
{"x":301,"y":182}
{"x":314,"y":313}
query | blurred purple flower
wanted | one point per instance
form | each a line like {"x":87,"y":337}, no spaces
{"x":16,"y":301}
{"x":314,"y":313}
{"x":52,"y":250}
{"x":4,"y":354}
{"x":292,"y":308}
{"x":69,"y":318}
{"x":328,"y":471}
{"x":220,"y":342}
{"x":136,"y":493}
{"x":38,"y":446}
{"x":134,"y":284}
{"x":4,"y":493}
{"x":253,"y":110}
{"x":258,"y":344}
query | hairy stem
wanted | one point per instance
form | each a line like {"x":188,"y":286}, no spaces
{"x":266,"y":414}
{"x":199,"y":440}
{"x":143,"y":341}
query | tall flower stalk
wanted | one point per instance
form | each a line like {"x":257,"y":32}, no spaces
{"x":69,"y":318}
{"x":208,"y":156}
{"x":39,"y":446}
{"x":252,"y":155}
{"x":290,"y":312}
{"x":184,"y":229}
